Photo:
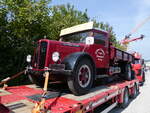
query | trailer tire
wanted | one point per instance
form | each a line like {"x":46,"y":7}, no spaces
{"x":82,"y":79}
{"x":125,"y":102}
{"x":135,"y":92}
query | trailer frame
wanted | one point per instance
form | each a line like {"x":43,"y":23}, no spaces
{"x":111,"y":94}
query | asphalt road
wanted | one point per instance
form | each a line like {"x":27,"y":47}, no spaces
{"x":141,"y":104}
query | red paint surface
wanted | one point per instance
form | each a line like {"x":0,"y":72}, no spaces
{"x":23,"y":91}
{"x":11,"y":98}
{"x":62,"y":104}
{"x":18,"y":93}
{"x":101,"y":54}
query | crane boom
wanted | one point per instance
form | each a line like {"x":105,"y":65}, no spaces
{"x":127,"y":40}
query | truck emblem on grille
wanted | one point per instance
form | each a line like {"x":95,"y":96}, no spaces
{"x":100,"y":54}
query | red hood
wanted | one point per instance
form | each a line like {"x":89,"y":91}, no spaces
{"x":64,"y":48}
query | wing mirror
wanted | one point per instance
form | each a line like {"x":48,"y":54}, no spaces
{"x":89,"y":40}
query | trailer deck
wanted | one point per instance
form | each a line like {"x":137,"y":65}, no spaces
{"x":22,"y":98}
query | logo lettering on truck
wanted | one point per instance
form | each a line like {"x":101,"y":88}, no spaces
{"x":100,"y":54}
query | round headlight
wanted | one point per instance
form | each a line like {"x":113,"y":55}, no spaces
{"x":28,"y":59}
{"x":55,"y":56}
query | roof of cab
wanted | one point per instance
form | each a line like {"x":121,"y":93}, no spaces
{"x":79,"y":28}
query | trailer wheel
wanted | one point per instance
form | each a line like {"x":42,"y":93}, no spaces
{"x":125,"y":99}
{"x":82,"y":79}
{"x":135,"y":92}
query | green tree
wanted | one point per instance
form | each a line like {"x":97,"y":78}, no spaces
{"x":108,"y":28}
{"x":22,"y":22}
{"x":64,"y":16}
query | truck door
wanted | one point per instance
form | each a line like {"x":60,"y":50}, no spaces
{"x":100,"y":48}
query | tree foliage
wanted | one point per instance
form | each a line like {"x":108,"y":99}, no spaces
{"x":63,"y":16}
{"x":23,"y":22}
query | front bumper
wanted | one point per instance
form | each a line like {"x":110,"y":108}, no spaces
{"x":53,"y":69}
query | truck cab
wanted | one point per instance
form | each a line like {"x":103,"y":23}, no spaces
{"x":139,"y":68}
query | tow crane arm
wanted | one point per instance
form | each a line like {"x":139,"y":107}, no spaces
{"x":126,"y":40}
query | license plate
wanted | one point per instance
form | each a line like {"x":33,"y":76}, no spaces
{"x":57,"y":66}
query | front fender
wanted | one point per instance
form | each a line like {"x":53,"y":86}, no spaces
{"x":72,"y":60}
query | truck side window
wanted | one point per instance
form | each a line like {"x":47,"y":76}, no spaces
{"x":99,"y":38}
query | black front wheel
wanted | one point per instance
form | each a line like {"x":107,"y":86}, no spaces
{"x":82,"y":79}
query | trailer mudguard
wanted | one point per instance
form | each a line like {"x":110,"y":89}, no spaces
{"x":72,"y":60}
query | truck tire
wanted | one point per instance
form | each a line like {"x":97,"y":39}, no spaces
{"x":128,"y":72}
{"x":143,"y":77}
{"x":82,"y":79}
{"x":135,"y":92}
{"x":125,"y":102}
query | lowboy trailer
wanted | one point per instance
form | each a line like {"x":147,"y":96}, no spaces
{"x":100,"y":99}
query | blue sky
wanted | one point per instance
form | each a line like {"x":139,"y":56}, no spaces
{"x":123,"y":15}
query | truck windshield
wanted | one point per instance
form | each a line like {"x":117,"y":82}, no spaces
{"x":137,"y":61}
{"x":77,"y":37}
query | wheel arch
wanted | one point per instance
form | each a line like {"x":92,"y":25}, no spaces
{"x":72,"y":60}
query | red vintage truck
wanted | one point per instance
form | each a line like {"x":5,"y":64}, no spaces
{"x":139,"y":68}
{"x":82,"y":55}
